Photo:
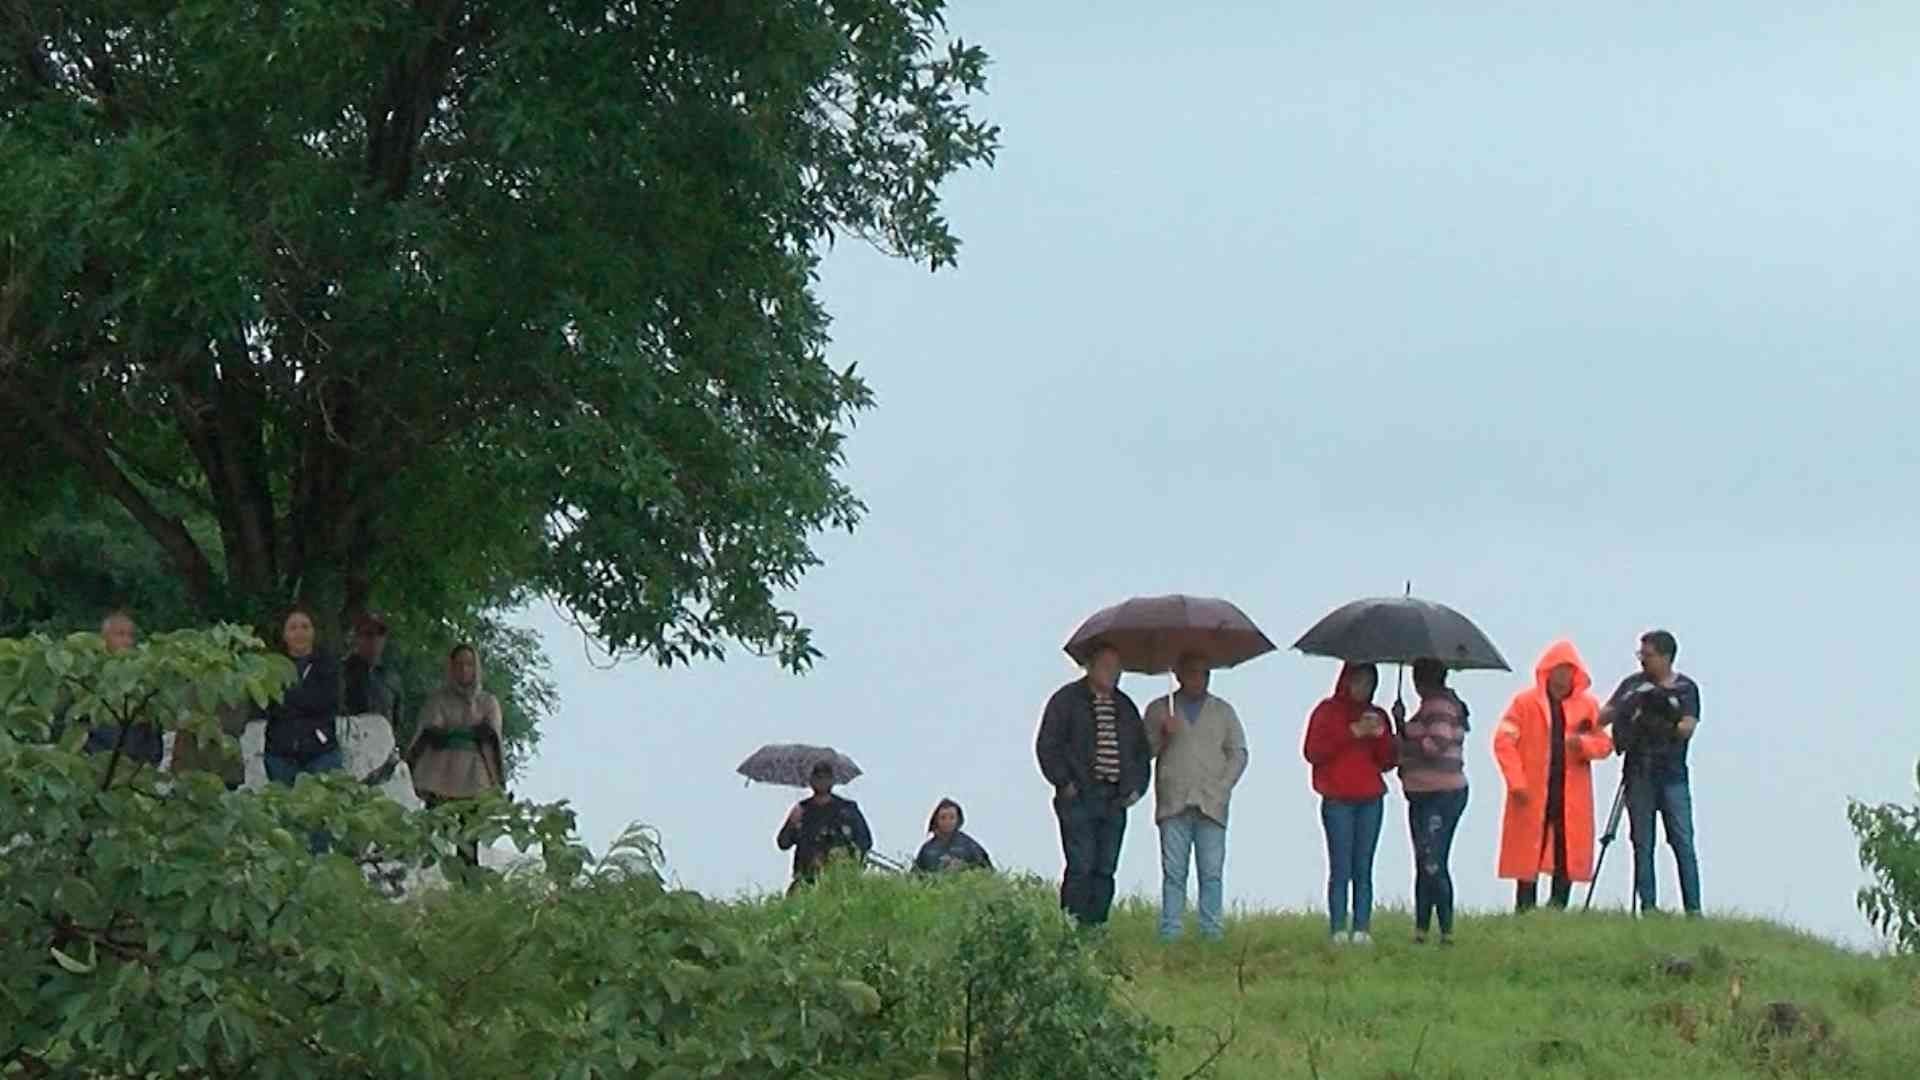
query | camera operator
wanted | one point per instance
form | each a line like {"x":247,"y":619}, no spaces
{"x":1654,"y":714}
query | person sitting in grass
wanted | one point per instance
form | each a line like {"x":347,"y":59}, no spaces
{"x":947,"y":848}
{"x":821,"y":826}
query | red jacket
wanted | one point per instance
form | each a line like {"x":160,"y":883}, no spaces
{"x":1345,"y":767}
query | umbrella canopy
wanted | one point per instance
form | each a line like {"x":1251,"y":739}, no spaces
{"x":1152,"y":632}
{"x":1400,"y":630}
{"x":791,"y":764}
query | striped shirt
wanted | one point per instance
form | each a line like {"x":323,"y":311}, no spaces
{"x":1431,"y":744}
{"x":1106,"y":741}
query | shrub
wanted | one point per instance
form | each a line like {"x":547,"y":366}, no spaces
{"x":162,"y":925}
{"x":1889,"y":836}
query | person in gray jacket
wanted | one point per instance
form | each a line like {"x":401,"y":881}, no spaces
{"x":1200,"y":753}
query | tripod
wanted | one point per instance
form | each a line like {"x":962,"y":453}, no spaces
{"x":1607,"y":838}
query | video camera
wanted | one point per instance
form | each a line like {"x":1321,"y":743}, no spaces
{"x":1655,"y":720}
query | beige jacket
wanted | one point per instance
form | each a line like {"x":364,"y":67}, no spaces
{"x":458,"y":772}
{"x":1197,"y":766}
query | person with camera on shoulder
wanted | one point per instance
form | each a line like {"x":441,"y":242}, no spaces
{"x":1654,"y":714}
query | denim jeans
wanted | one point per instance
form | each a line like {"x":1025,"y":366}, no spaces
{"x":1432,"y":817}
{"x":1092,"y":826}
{"x":285,"y":770}
{"x":1191,"y":835}
{"x":1353,"y":832}
{"x":1673,"y":800}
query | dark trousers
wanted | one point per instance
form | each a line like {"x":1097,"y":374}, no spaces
{"x":1092,"y":826}
{"x":1526,"y":894}
{"x":1432,"y":818}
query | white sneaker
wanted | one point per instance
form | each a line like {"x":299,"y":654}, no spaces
{"x":1361,"y":937}
{"x":1341,"y":937}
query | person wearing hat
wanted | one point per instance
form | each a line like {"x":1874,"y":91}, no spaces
{"x":370,"y":689}
{"x":822,"y":825}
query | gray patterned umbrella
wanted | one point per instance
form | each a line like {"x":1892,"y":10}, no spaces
{"x":791,"y":764}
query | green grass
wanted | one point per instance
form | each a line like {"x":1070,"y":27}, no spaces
{"x":1549,"y":995}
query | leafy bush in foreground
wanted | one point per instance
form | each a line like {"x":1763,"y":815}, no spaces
{"x":161,"y":925}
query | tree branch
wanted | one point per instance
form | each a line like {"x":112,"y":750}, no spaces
{"x":85,"y":448}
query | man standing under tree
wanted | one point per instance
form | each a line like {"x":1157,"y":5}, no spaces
{"x":1093,"y":749}
{"x":1201,"y":751}
{"x":1654,"y":713}
{"x":370,"y":688}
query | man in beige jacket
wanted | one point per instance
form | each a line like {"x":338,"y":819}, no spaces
{"x":1200,"y":752}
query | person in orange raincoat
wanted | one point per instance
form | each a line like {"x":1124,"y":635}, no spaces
{"x":1547,"y":739}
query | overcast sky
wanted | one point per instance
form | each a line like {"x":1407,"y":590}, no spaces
{"x":1585,"y":320}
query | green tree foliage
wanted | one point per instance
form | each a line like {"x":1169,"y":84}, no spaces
{"x":436,"y":305}
{"x":167,"y":927}
{"x":1889,"y":836}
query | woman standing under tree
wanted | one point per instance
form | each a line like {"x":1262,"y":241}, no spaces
{"x":302,"y":736}
{"x":455,"y":752}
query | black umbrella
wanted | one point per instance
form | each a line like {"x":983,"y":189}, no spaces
{"x":1400,"y":630}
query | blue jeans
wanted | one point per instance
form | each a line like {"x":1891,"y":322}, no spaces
{"x":1353,"y":832}
{"x":285,"y":770}
{"x":1673,"y":799}
{"x":1191,"y":833}
{"x":1092,"y":826}
{"x":1432,"y":817}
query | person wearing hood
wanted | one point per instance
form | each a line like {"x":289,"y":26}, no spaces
{"x":302,"y":736}
{"x":1545,"y":745}
{"x":1349,"y":745}
{"x":947,"y":848}
{"x":455,"y":752}
{"x":1433,"y":774}
{"x":821,"y":826}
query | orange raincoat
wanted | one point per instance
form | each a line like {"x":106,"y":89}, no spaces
{"x":1520,"y":747}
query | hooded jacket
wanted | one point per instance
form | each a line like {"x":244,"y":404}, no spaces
{"x":1345,"y":767}
{"x":455,"y":752}
{"x":1521,"y":749}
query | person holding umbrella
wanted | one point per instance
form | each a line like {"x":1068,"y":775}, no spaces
{"x":1545,"y":745}
{"x":1200,"y":753}
{"x":1348,"y":744}
{"x":821,"y":826}
{"x":1092,"y":747}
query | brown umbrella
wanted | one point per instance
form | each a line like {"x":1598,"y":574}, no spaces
{"x":1152,"y":632}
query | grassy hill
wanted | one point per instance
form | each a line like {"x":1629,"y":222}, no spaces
{"x":1551,"y":995}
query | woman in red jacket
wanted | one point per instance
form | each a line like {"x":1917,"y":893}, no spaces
{"x":1349,"y":745}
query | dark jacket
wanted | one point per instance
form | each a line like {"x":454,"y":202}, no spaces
{"x":369,"y":690}
{"x":143,"y":742}
{"x":956,"y":852}
{"x":837,"y":825}
{"x":300,"y":725}
{"x":1065,"y":742}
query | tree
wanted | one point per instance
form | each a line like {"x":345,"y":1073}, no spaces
{"x":447,"y":303}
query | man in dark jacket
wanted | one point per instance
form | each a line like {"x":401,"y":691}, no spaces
{"x":821,"y":825}
{"x":1093,"y":749}
{"x":141,"y":742}
{"x":370,"y":688}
